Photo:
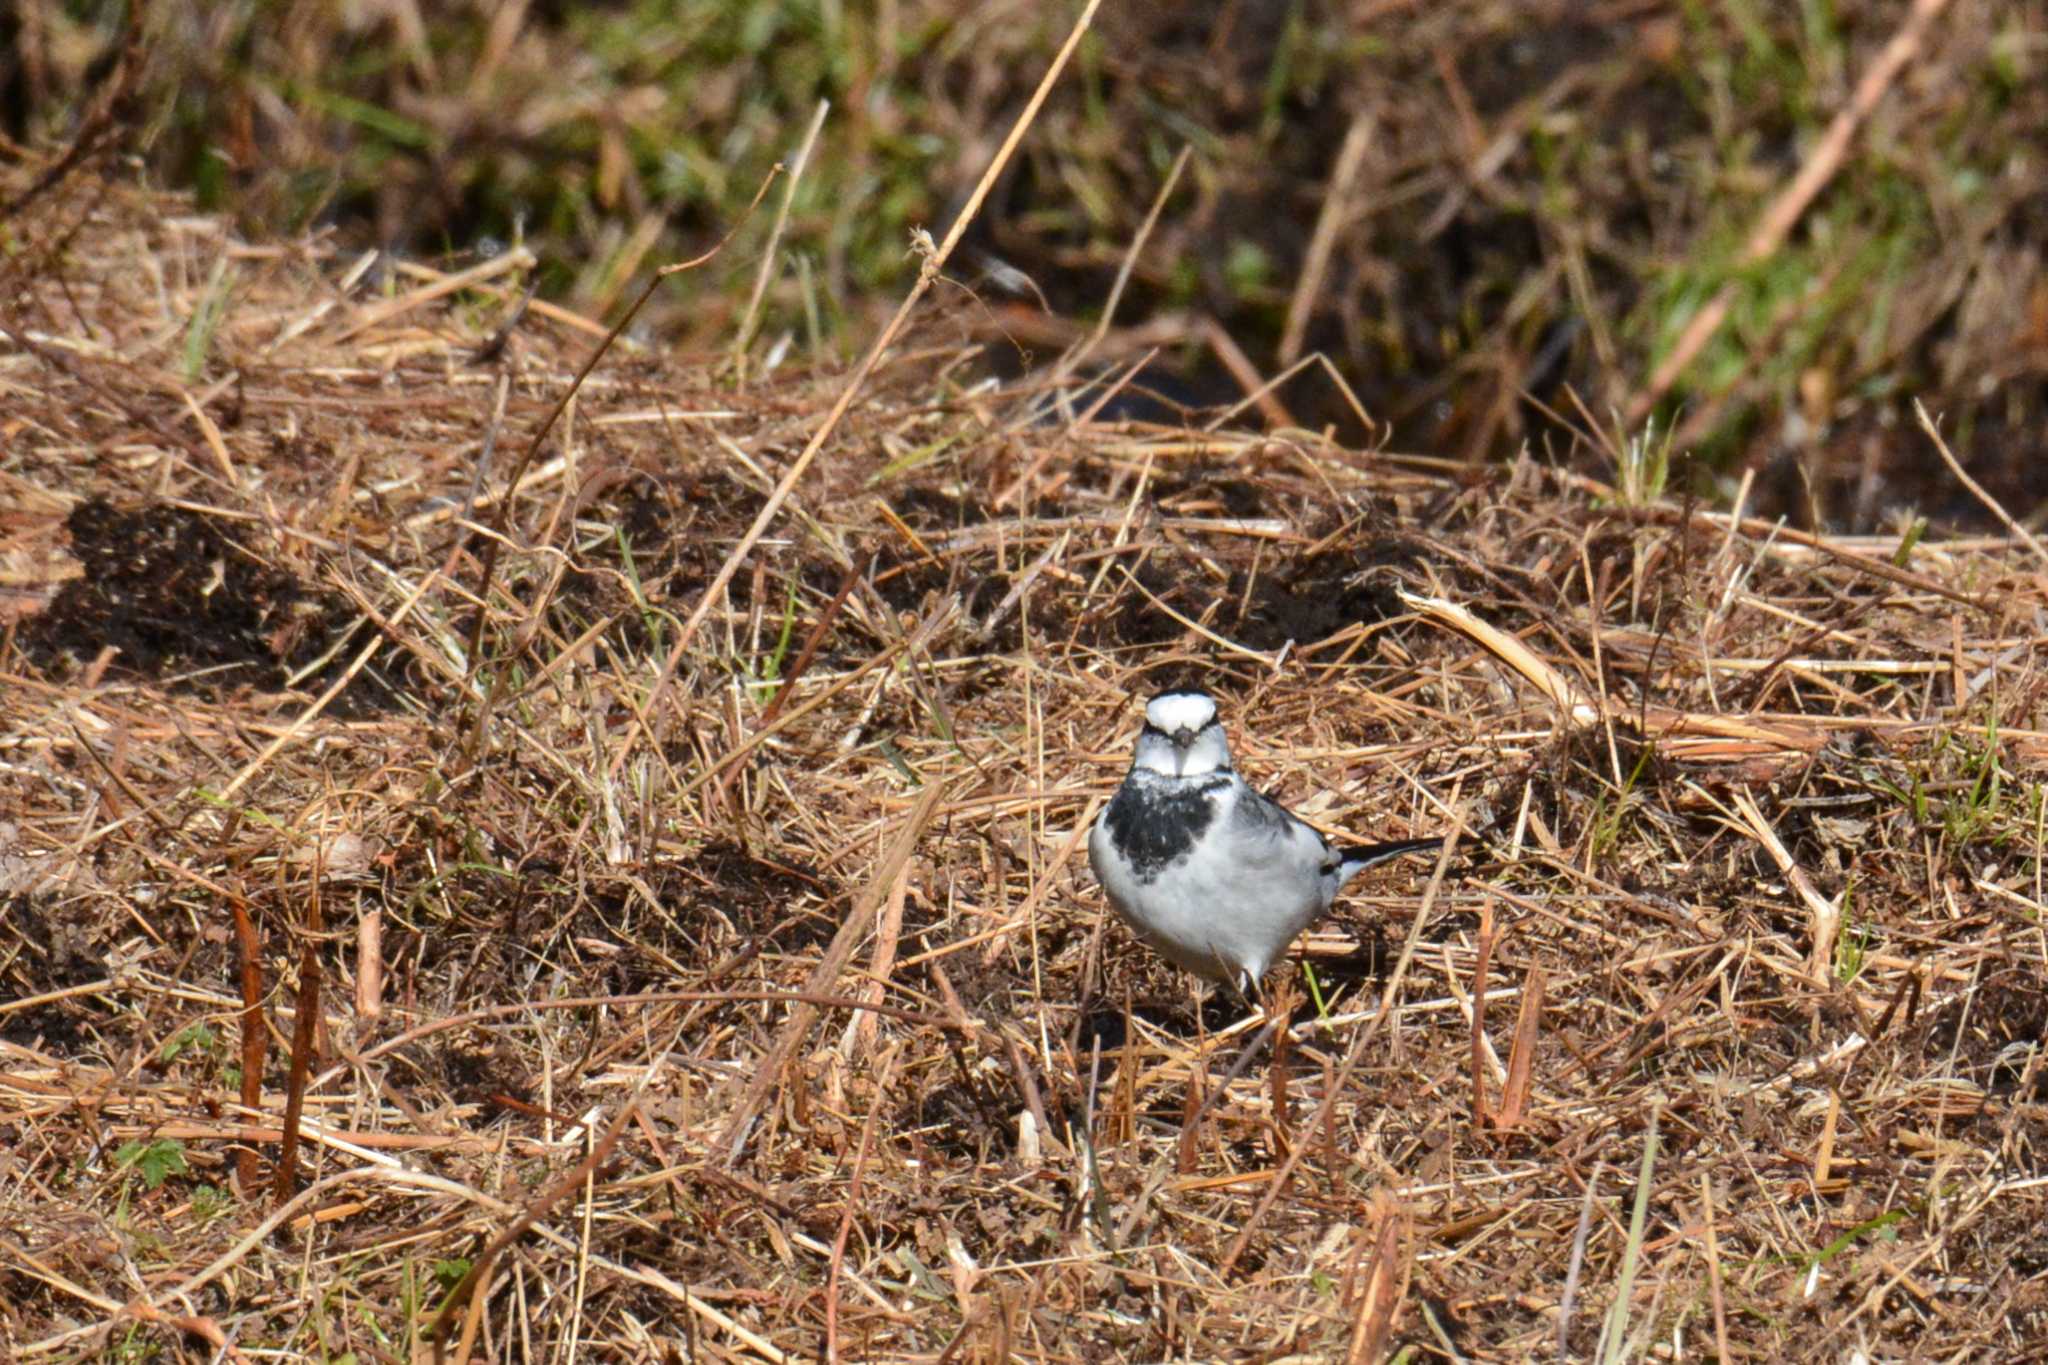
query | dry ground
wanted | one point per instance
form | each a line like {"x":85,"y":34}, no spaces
{"x":1720,"y":1030}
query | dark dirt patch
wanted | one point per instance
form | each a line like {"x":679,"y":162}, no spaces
{"x":672,"y":535}
{"x":188,"y":603}
{"x":663,"y":539}
{"x":478,"y":1074}
{"x":962,"y":1119}
{"x":42,"y":950}
{"x":2003,"y":1010}
{"x":761,"y":897}
{"x":720,"y":902}
{"x":1313,"y":607}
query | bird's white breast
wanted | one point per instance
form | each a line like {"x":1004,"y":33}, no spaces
{"x":1233,"y":902}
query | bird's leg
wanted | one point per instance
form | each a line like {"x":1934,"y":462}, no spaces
{"x":1250,"y":992}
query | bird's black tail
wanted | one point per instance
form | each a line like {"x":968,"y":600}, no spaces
{"x":1352,"y":861}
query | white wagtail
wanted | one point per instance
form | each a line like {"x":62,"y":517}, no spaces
{"x":1214,"y":875}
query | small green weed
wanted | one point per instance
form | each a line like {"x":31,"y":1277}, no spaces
{"x":1852,"y":944}
{"x":1611,"y":813}
{"x":196,"y":1038}
{"x":1981,"y":807}
{"x":768,"y":675}
{"x":1315,"y":990}
{"x":210,"y":1202}
{"x":133,"y":1348}
{"x":199,"y":332}
{"x":1644,"y":467}
{"x":155,"y":1162}
{"x":1614,"y":1341}
{"x":1911,"y":538}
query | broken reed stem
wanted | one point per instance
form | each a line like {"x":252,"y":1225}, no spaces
{"x":303,"y":1029}
{"x":1714,"y":1268}
{"x":1514,"y":1092}
{"x":1479,"y":971}
{"x":255,"y":1037}
{"x":1386,"y":1283}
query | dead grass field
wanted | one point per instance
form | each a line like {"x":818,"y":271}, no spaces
{"x":687,"y":976}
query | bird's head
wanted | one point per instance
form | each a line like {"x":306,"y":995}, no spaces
{"x":1182,"y":736}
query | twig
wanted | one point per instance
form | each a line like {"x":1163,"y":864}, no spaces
{"x":1386,"y":1284}
{"x":865,"y":1024}
{"x":1714,"y":1268}
{"x":255,"y":1037}
{"x":745,"y":334}
{"x":1576,"y":1263}
{"x":1429,"y":893}
{"x":1827,"y":914}
{"x":1257,"y":388}
{"x":1479,"y":970}
{"x":303,"y":1028}
{"x":1977,"y":490}
{"x":1316,"y":264}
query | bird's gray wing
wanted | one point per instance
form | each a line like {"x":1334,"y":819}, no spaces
{"x":1269,"y":832}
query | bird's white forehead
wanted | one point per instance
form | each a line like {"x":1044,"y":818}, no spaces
{"x":1180,"y":711}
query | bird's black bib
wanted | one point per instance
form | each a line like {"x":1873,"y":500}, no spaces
{"x":1155,"y":826}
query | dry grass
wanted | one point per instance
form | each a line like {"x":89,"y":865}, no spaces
{"x":1750,"y":858}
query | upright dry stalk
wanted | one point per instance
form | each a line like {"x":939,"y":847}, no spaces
{"x":303,"y":1024}
{"x":255,"y":1037}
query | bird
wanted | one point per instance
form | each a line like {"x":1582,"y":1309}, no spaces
{"x":1215,"y":876}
